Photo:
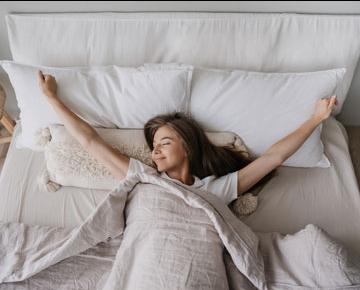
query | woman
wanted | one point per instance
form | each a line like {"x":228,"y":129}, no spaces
{"x":182,"y":153}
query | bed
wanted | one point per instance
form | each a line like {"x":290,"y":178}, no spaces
{"x":295,"y":197}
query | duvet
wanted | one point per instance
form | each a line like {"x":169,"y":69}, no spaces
{"x":152,"y":233}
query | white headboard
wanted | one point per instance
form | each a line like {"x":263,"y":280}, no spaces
{"x":259,"y":42}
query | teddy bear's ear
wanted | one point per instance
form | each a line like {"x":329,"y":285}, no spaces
{"x":45,"y":183}
{"x":244,"y":205}
{"x":42,"y":137}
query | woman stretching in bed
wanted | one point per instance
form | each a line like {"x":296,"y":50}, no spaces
{"x":181,"y":151}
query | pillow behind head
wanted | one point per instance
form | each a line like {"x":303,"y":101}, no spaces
{"x":105,"y":96}
{"x":68,"y":164}
{"x":263,"y":108}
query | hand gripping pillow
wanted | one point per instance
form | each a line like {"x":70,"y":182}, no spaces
{"x":68,"y":164}
{"x":105,"y":96}
{"x":263,"y":108}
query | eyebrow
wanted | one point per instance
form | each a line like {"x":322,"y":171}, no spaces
{"x":165,"y":138}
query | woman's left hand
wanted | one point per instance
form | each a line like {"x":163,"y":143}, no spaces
{"x":324,"y":107}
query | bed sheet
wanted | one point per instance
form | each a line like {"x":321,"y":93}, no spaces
{"x":295,"y":197}
{"x":326,"y":197}
{"x":22,"y":200}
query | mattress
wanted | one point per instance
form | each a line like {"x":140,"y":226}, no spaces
{"x":295,"y":197}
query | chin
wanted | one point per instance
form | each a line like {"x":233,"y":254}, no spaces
{"x":161,"y":168}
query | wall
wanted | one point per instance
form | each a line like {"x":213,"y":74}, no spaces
{"x":350,"y":114}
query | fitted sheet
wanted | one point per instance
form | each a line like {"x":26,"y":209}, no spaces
{"x":326,"y":197}
{"x":295,"y":197}
{"x":22,"y":200}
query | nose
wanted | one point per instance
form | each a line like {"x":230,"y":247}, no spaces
{"x":156,"y":149}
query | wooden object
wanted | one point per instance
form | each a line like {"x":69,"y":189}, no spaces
{"x":5,"y":119}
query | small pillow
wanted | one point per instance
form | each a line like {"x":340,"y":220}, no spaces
{"x":68,"y":164}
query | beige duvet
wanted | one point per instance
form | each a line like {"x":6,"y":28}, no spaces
{"x":168,"y":237}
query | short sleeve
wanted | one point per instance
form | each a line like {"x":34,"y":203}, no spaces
{"x":224,"y":187}
{"x":138,"y":166}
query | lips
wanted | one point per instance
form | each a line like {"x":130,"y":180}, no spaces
{"x":160,"y":159}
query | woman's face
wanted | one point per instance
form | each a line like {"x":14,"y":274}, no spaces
{"x":169,"y":152}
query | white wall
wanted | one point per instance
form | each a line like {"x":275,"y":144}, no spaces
{"x":351,"y":109}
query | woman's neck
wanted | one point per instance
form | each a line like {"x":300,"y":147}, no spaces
{"x":186,"y":178}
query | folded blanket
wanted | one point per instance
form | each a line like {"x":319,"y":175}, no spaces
{"x":171,"y":236}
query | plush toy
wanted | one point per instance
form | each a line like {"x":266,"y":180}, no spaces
{"x":245,"y":204}
{"x":64,"y":159}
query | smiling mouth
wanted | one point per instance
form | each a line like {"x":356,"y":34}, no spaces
{"x":160,"y":159}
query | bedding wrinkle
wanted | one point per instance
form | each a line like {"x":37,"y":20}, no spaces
{"x":189,"y":270}
{"x":314,"y":248}
{"x":63,"y":215}
{"x":154,"y":255}
{"x":271,"y":276}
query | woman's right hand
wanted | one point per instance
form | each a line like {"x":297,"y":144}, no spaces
{"x":47,"y":84}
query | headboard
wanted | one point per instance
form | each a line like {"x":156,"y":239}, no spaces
{"x":249,"y":41}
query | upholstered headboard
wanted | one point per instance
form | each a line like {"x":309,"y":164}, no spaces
{"x":259,"y":42}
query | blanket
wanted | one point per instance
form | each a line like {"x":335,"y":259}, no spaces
{"x":152,"y":233}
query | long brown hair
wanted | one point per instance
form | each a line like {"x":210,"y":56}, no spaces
{"x":205,"y":158}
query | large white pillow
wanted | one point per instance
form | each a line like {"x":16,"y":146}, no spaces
{"x":68,"y":164}
{"x":105,"y":96}
{"x":262,"y":108}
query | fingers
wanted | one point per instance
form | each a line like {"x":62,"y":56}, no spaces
{"x":332,"y":101}
{"x":41,"y":76}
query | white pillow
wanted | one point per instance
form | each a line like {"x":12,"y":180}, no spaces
{"x":68,"y":164}
{"x":262,"y":108}
{"x":105,"y":96}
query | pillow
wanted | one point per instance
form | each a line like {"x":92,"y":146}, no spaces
{"x":105,"y":96}
{"x":263,"y":108}
{"x":68,"y":164}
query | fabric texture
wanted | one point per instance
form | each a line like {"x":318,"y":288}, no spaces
{"x":302,"y":195}
{"x":267,"y":42}
{"x":269,"y":106}
{"x":171,"y":236}
{"x":105,"y":96}
{"x":68,"y":164}
{"x":145,"y":238}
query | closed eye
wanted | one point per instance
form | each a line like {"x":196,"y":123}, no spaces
{"x":162,"y":144}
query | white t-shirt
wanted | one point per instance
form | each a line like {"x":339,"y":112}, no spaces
{"x":224,"y":187}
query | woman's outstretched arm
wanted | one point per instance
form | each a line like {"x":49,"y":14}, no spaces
{"x":283,"y":149}
{"x":86,"y":135}
{"x":292,"y":142}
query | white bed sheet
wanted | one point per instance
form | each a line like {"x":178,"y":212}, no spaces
{"x":327,"y":197}
{"x":22,"y":200}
